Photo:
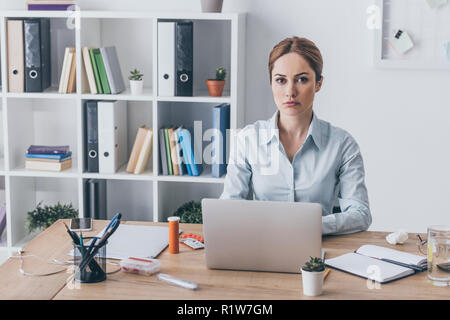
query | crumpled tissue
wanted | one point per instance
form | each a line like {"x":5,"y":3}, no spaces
{"x":398,"y":237}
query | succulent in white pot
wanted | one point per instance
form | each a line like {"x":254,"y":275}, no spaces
{"x":312,"y":277}
{"x":136,"y":82}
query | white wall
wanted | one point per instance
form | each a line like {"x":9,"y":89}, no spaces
{"x":399,"y":117}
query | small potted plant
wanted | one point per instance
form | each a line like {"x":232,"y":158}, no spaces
{"x":136,"y":82}
{"x":312,"y":277}
{"x":190,"y":212}
{"x":215,"y":86}
{"x":43,"y":217}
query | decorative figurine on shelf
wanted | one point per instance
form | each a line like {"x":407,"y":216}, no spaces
{"x":215,"y":86}
{"x":136,"y":82}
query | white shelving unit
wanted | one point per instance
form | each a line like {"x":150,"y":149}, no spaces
{"x":53,"y":118}
{"x":428,"y":28}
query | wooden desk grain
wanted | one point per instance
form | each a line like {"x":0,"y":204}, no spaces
{"x":213,"y":284}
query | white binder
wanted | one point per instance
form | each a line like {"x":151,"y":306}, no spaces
{"x":112,"y":135}
{"x":166,"y":59}
{"x":16,"y":68}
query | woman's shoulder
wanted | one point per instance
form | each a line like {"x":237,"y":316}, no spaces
{"x":334,"y":132}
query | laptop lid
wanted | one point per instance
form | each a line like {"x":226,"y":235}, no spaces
{"x":261,"y":235}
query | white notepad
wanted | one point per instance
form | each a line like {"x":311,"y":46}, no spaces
{"x":366,"y":262}
{"x":136,"y":241}
{"x":368,"y":267}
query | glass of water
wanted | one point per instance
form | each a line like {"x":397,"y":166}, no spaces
{"x":439,"y":255}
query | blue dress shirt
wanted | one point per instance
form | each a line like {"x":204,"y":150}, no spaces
{"x":327,"y":167}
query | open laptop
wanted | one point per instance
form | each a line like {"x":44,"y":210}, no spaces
{"x":261,"y":235}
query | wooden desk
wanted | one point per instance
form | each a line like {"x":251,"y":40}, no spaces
{"x":213,"y":284}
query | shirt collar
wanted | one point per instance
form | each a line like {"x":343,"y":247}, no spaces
{"x":314,"y":130}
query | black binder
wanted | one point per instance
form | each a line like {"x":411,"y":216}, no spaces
{"x":36,"y":34}
{"x":91,"y":134}
{"x":184,"y":58}
{"x":96,"y":199}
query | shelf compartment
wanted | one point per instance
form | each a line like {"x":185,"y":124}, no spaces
{"x":42,"y":122}
{"x":27,"y":192}
{"x":127,"y":35}
{"x":173,"y":194}
{"x":61,"y":36}
{"x":138,"y":113}
{"x":131,"y":198}
{"x":190,"y":115}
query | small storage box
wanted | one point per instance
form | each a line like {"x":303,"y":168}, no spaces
{"x":140,"y":266}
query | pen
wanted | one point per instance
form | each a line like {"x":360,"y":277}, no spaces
{"x":75,"y":240}
{"x":91,"y":246}
{"x":113,"y":220}
{"x":104,"y":238}
{"x":411,"y":266}
{"x":325,"y":275}
{"x":176,"y":281}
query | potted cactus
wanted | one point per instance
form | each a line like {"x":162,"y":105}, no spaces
{"x":136,"y":82}
{"x":215,"y":86}
{"x":312,"y":277}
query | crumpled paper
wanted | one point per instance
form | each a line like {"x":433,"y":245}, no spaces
{"x":398,"y":237}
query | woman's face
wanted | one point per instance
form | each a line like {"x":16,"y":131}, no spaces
{"x":293,"y":84}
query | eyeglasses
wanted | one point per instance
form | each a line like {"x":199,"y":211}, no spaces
{"x":421,"y":245}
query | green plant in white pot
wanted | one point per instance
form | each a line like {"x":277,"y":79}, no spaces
{"x":312,"y":277}
{"x":136,"y":82}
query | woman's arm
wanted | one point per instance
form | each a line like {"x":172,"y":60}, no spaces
{"x":353,"y":199}
{"x":237,"y":180}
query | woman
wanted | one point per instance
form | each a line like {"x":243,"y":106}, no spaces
{"x":294,"y":156}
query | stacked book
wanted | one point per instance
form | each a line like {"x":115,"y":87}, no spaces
{"x":49,"y":158}
{"x":67,"y":82}
{"x":102,"y":70}
{"x":141,"y":151}
{"x":49,"y":4}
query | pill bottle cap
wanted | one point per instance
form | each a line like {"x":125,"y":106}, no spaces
{"x":173,"y":219}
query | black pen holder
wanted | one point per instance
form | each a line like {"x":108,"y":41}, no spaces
{"x":89,"y":270}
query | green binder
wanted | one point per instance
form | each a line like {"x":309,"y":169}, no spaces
{"x":94,"y":68}
{"x":102,"y":71}
{"x":169,"y":158}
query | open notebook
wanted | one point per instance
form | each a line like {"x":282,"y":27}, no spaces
{"x":379,"y":263}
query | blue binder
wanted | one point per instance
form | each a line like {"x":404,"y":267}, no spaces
{"x":193,"y":168}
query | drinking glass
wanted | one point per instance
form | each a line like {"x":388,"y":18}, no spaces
{"x":439,"y":255}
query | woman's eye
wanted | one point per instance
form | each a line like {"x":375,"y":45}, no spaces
{"x":280,"y":80}
{"x":303,"y":79}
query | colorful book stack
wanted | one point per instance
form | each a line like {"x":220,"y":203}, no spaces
{"x":49,"y":158}
{"x":177,"y":153}
{"x":49,"y":4}
{"x":67,"y":82}
{"x":102,"y":70}
{"x":141,"y":151}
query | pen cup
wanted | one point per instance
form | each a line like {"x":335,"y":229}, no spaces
{"x":95,"y":269}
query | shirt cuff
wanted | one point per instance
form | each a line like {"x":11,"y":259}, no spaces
{"x":329,"y":224}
